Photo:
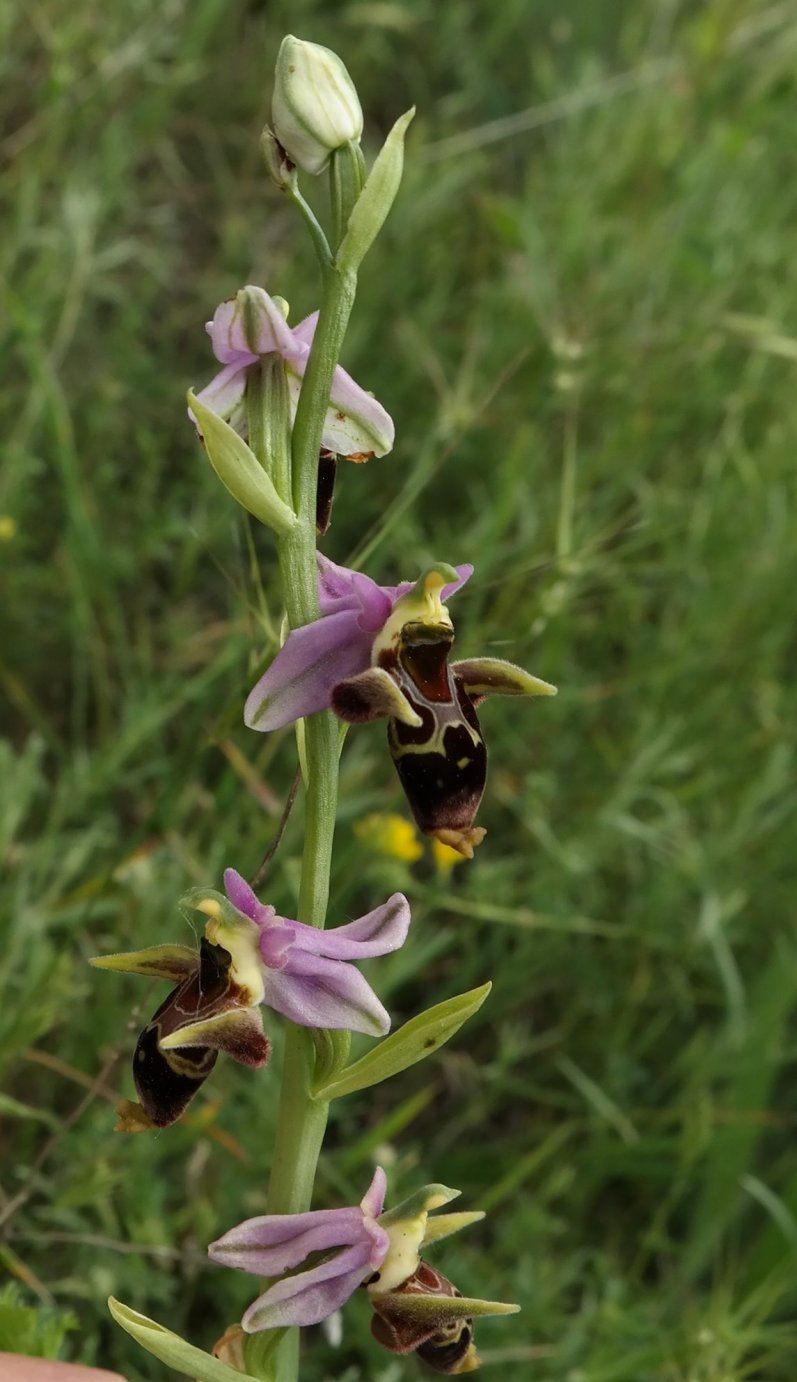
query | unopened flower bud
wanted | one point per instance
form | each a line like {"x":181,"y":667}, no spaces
{"x":315,"y":108}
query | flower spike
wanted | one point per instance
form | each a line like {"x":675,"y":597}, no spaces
{"x":248,"y":956}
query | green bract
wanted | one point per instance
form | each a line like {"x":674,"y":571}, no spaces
{"x":171,"y":1349}
{"x":413,"y":1042}
{"x":240,"y":472}
{"x":376,"y":198}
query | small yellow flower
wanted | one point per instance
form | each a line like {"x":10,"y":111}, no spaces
{"x":391,"y":835}
{"x":8,"y":527}
{"x":445,"y":857}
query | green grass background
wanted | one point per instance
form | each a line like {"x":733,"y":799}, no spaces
{"x":584,"y":325}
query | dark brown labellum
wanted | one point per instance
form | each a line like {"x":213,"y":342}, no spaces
{"x":442,"y":764}
{"x":166,"y":1081}
{"x":447,"y":1350}
{"x":446,"y":1346}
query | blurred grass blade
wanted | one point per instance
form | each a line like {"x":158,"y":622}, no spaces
{"x":751,"y":1077}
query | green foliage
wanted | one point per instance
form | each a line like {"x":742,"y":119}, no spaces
{"x":585,"y":332}
{"x":38,"y":1333}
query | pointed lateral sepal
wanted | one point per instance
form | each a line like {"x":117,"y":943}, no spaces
{"x":374,"y":202}
{"x":174,"y":962}
{"x":238,"y":1032}
{"x":171,"y":1349}
{"x":240,"y":472}
{"x":437,"y":1310}
{"x":443,"y":1225}
{"x":372,"y":695}
{"x":417,"y":1039}
{"x":491,"y":676}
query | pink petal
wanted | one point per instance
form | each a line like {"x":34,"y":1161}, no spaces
{"x":465,"y":572}
{"x":308,"y":665}
{"x":373,"y":1201}
{"x":225,"y":391}
{"x":250,"y":325}
{"x":276,"y":936}
{"x":274,"y":1243}
{"x":379,"y":932}
{"x":368,"y":421}
{"x":316,"y":992}
{"x":310,"y":1296}
{"x":241,"y":896}
{"x":304,"y":331}
{"x":355,"y":424}
{"x":228,"y":343}
{"x":276,"y":942}
{"x":334,"y":582}
{"x":337,"y":584}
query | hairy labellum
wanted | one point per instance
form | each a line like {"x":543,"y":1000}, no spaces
{"x":167,"y":1080}
{"x":445,"y":1345}
{"x":442,"y":763}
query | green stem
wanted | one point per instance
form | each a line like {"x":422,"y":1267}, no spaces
{"x":319,"y":239}
{"x":301,"y":1121}
{"x":346,"y":180}
{"x":337,"y":300}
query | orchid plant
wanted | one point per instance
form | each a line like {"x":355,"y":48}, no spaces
{"x":273,"y":421}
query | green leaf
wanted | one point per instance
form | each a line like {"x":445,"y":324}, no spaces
{"x":240,"y":472}
{"x":411,"y":1043}
{"x":171,"y":1349}
{"x":374,"y":202}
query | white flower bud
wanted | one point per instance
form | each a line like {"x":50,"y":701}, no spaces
{"x":315,"y":108}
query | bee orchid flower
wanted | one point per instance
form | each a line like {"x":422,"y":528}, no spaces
{"x":383,"y":652}
{"x":416,"y":1308}
{"x":248,"y":956}
{"x":252,"y":325}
